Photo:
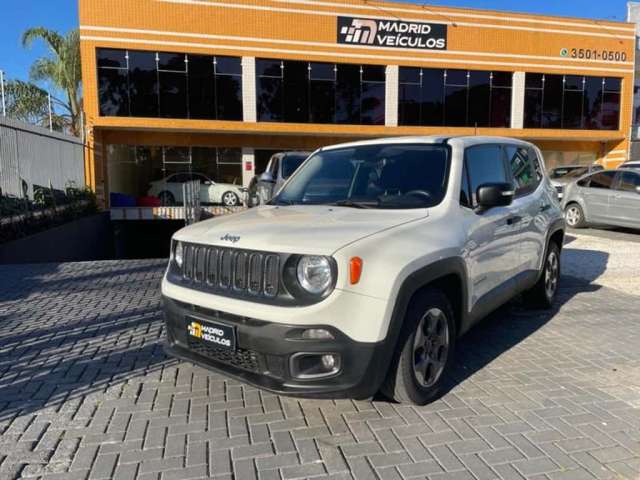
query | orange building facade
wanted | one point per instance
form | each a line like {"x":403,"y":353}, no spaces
{"x":215,"y":86}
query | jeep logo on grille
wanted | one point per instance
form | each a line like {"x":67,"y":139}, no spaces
{"x":230,"y":238}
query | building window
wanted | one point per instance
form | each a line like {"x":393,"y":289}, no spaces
{"x":316,"y":92}
{"x":571,"y":102}
{"x":169,"y":85}
{"x":456,"y":98}
{"x":172,"y":79}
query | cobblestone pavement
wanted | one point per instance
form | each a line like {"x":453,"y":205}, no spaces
{"x":86,"y":392}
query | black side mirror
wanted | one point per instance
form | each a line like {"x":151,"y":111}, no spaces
{"x":267,"y":177}
{"x":491,"y":195}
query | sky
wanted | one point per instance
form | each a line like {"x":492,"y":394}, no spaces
{"x":18,"y":15}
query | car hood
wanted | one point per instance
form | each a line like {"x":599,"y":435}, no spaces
{"x":296,"y":229}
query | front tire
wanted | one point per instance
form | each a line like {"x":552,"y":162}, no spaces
{"x":230,"y":199}
{"x":424,"y":351}
{"x":167,"y":199}
{"x":543,"y":294}
{"x":574,"y":216}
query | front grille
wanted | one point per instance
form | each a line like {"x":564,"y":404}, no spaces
{"x":240,"y":358}
{"x":232,"y":270}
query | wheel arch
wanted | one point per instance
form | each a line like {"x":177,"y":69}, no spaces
{"x":448,"y":275}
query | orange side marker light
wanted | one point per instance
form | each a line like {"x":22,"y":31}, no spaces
{"x":355,"y":270}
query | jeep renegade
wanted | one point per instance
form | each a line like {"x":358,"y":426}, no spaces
{"x":366,"y":267}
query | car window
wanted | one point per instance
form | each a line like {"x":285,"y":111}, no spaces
{"x":602,"y":180}
{"x":485,"y":164}
{"x":275,"y":161}
{"x":290,"y":163}
{"x":525,"y":175}
{"x":629,"y":181}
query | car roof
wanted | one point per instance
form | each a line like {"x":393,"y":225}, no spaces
{"x":429,"y":140}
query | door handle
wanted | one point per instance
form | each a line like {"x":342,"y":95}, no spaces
{"x":513,"y":220}
{"x":544,"y":207}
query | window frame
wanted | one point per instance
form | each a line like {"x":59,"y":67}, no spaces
{"x":505,"y":166}
{"x":531,"y":154}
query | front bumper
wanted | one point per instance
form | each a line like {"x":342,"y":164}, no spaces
{"x":263,"y":354}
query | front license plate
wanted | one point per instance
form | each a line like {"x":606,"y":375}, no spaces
{"x":213,"y":333}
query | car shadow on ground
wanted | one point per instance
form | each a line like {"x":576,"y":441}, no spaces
{"x":505,"y":328}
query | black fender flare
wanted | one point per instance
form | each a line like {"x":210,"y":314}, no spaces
{"x":414,"y":282}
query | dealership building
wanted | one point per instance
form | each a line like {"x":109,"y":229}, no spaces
{"x":216,"y":87}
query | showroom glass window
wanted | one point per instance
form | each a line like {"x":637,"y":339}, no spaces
{"x":169,"y":85}
{"x":317,"y":92}
{"x":456,"y":98}
{"x":571,"y":102}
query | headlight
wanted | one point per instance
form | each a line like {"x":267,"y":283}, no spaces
{"x":314,"y":274}
{"x":178,"y":254}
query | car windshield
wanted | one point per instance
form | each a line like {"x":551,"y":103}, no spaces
{"x":371,"y":176}
{"x":291,"y":162}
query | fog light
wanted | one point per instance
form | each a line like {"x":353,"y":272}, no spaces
{"x":315,"y":365}
{"x":317,"y":334}
{"x":328,"y":362}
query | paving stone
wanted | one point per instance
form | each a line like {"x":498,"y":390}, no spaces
{"x":87,"y":392}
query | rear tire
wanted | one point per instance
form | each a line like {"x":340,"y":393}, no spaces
{"x":574,"y":216}
{"x":230,"y":199}
{"x":424,"y":351}
{"x":544,"y":292}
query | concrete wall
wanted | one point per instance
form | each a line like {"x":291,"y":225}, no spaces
{"x":38,"y":157}
{"x":89,"y":238}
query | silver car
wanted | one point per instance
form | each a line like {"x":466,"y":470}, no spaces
{"x":562,"y":176}
{"x":610,"y":197}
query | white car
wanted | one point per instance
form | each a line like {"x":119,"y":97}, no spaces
{"x":169,"y":190}
{"x":366,"y":267}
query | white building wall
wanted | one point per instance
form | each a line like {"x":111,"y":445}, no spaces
{"x":517,"y":100}
{"x":249,"y":89}
{"x":391,"y":96}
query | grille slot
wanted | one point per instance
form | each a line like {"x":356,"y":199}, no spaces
{"x":229,"y":269}
{"x":240,"y":358}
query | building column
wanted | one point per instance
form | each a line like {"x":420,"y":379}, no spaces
{"x":391,"y":96}
{"x":249,"y":108}
{"x":248,"y":165}
{"x":517,"y":100}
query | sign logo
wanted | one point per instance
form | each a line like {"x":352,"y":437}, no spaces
{"x":195,"y":330}
{"x":564,"y":52}
{"x":230,"y":238}
{"x":392,"y":33}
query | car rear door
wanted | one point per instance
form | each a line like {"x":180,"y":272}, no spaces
{"x":625,"y":199}
{"x":491,"y":246}
{"x":597,"y":196}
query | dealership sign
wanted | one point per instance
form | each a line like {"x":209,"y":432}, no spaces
{"x":392,"y":33}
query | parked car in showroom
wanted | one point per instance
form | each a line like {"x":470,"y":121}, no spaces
{"x":169,"y":190}
{"x":280,"y":167}
{"x":573,"y":172}
{"x":366,"y":267}
{"x":610,"y":197}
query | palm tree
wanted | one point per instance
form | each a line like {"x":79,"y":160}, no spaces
{"x":61,"y":69}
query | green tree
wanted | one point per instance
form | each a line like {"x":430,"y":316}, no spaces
{"x":29,"y":103}
{"x":61,"y":69}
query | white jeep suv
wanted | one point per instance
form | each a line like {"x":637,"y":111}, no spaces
{"x":366,"y":267}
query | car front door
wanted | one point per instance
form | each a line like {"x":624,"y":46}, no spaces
{"x":491,"y":246}
{"x":625,"y":200}
{"x":597,"y":196}
{"x":531,"y":205}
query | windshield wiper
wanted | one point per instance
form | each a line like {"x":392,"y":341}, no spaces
{"x":352,"y":204}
